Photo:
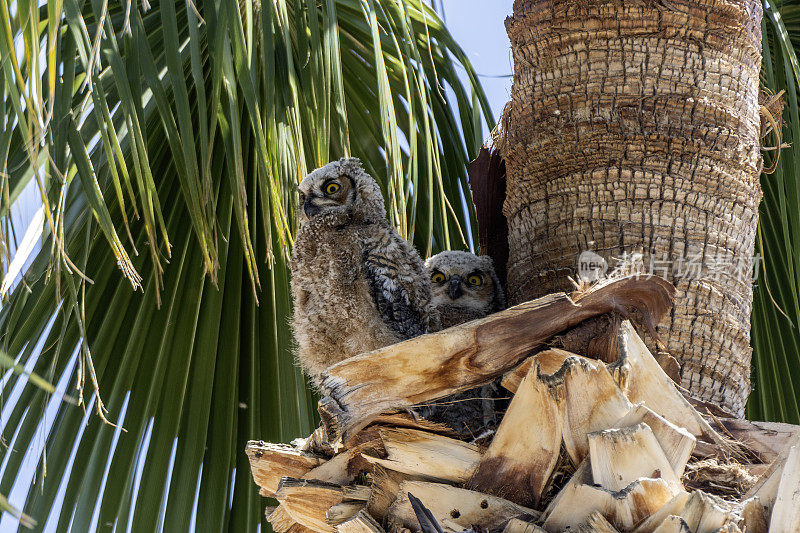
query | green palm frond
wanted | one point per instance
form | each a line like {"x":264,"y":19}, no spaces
{"x":36,"y":380}
{"x":776,"y":309}
{"x":24,"y":520}
{"x":165,"y":142}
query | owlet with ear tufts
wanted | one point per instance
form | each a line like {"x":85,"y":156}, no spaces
{"x":357,"y":285}
{"x":465,"y":287}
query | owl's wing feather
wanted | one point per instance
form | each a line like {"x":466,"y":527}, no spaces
{"x":389,"y":277}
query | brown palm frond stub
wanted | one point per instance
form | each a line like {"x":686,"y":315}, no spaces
{"x":771,"y":113}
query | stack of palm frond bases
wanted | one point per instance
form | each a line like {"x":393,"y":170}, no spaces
{"x":597,"y":436}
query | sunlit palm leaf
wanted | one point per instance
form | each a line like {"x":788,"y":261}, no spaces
{"x":24,"y":520}
{"x":166,"y":144}
{"x":776,"y":310}
{"x":35,"y":379}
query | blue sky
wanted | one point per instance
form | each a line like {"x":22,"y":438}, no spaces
{"x":479,"y":27}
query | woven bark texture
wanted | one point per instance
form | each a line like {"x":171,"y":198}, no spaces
{"x":634,"y":127}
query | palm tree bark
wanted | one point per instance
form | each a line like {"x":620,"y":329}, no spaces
{"x":634,"y":126}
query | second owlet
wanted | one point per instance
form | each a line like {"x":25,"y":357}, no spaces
{"x":357,"y":285}
{"x":465,"y":287}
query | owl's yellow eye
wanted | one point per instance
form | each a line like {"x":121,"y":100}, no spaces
{"x":475,"y":279}
{"x":437,"y":277}
{"x":332,"y":188}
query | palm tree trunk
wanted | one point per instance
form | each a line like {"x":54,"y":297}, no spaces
{"x":634,"y":126}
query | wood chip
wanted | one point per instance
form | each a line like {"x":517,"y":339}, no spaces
{"x":451,"y":504}
{"x":429,"y":455}
{"x":308,"y":502}
{"x":344,"y":511}
{"x":385,"y":487}
{"x":625,"y":508}
{"x":361,"y":522}
{"x":519,"y":461}
{"x":644,"y":381}
{"x":673,"y":524}
{"x":549,"y":362}
{"x":515,"y":525}
{"x":705,"y":513}
{"x":676,"y":442}
{"x":270,"y":462}
{"x":664,"y":515}
{"x":597,"y":523}
{"x":621,"y":456}
{"x":786,"y":511}
{"x":592,"y":402}
{"x":766,"y":488}
{"x":755,"y":516}
{"x":279,"y":519}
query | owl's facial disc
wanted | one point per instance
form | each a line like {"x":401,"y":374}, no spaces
{"x":461,"y":289}
{"x":326,"y":195}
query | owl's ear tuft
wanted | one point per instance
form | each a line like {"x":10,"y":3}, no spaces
{"x":351,"y":165}
{"x":488,"y":262}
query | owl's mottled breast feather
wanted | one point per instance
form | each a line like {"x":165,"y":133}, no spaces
{"x":394,"y":275}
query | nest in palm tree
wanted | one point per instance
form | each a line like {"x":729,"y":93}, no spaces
{"x":597,"y":436}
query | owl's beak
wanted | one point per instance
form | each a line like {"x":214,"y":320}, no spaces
{"x":454,"y":289}
{"x":309,"y":208}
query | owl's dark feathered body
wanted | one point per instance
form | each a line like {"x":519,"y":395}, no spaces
{"x":357,"y":285}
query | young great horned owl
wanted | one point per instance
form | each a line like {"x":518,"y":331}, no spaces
{"x":465,"y":287}
{"x":357,"y":286}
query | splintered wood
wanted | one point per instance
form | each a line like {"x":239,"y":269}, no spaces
{"x":424,"y":454}
{"x":466,"y":356}
{"x":450,"y":504}
{"x":270,"y":462}
{"x":585,"y":445}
